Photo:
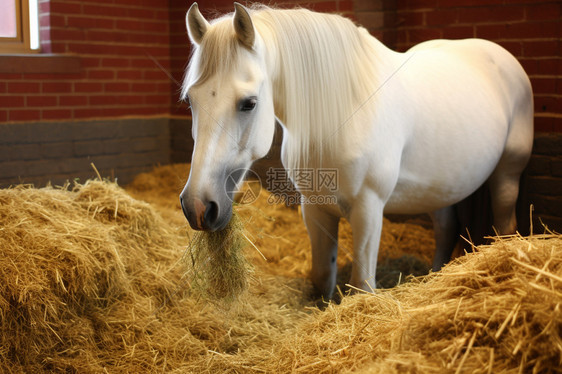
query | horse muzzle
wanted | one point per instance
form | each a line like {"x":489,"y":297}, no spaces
{"x":205,"y":215}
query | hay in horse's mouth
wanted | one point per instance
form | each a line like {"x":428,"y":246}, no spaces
{"x":218,"y":267}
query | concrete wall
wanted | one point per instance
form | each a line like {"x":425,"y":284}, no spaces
{"x":57,"y":152}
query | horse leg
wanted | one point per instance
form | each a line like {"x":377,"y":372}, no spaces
{"x":366,"y":222}
{"x":447,"y":230}
{"x":323,"y":232}
{"x":504,"y":188}
{"x":504,"y":181}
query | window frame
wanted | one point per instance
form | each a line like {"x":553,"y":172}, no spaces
{"x":21,"y":43}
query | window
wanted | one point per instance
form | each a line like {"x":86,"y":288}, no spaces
{"x":19,"y":26}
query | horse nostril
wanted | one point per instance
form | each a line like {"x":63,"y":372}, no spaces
{"x":211,"y":213}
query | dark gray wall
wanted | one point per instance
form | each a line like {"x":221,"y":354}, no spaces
{"x":55,"y":152}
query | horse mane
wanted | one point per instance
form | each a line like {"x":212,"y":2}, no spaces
{"x":323,"y":73}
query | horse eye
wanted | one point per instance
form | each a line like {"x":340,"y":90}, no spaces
{"x":247,"y":105}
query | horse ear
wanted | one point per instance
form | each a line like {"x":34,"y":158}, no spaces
{"x":243,"y":26}
{"x":196,"y":24}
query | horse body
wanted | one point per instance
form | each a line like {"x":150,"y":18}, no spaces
{"x":410,"y":132}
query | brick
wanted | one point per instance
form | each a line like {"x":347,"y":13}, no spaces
{"x":155,"y":75}
{"x":141,"y":13}
{"x":67,"y":34}
{"x":470,"y":3}
{"x":545,"y":185}
{"x":549,"y":66}
{"x":102,"y":100}
{"x":41,"y":101}
{"x":12,"y":101}
{"x":545,"y":103}
{"x":157,"y":99}
{"x":371,"y":19}
{"x":115,"y":62}
{"x":539,"y":165}
{"x":543,"y":85}
{"x":531,"y":30}
{"x":530,"y":65}
{"x":324,"y":6}
{"x":102,"y":10}
{"x":90,"y":62}
{"x":167,"y":86}
{"x":514,"y":47}
{"x":441,"y":17}
{"x":108,"y":36}
{"x":129,"y":75}
{"x":557,"y":167}
{"x":44,"y":7}
{"x":458,"y":32}
{"x":421,"y":35}
{"x":129,"y":100}
{"x":348,"y":5}
{"x":368,"y":6}
{"x":134,"y":25}
{"x":142,"y":63}
{"x":116,"y":87}
{"x":101,"y":74}
{"x":544,"y":124}
{"x":56,"y":87}
{"x":542,"y":12}
{"x":548,"y":48}
{"x":55,"y":20}
{"x":23,"y":87}
{"x":144,"y":87}
{"x":89,"y":87}
{"x":83,"y":113}
{"x":491,"y":14}
{"x":418,"y":4}
{"x":51,"y":114}
{"x":73,"y":100}
{"x":24,"y":115}
{"x":548,"y":144}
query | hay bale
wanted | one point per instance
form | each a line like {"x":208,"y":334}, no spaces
{"x":80,"y":287}
{"x":92,"y":280}
{"x":497,"y":310}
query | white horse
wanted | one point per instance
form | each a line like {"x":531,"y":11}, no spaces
{"x":407,"y":132}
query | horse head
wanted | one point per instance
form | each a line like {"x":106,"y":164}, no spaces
{"x":230,"y":94}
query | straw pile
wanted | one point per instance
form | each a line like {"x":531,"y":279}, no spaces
{"x":93,"y":280}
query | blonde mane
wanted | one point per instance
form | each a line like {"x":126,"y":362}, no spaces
{"x":323,"y":71}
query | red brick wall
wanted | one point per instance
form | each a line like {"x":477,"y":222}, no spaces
{"x":117,"y":39}
{"x":530,"y":30}
{"x":114,"y":40}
